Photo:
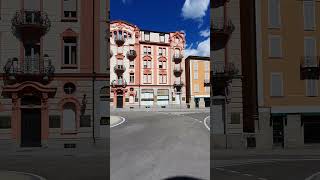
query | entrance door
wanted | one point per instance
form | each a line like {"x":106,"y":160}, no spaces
{"x":119,"y":101}
{"x":30,"y":128}
{"x":207,"y":102}
{"x":278,"y":137}
{"x":196,"y":100}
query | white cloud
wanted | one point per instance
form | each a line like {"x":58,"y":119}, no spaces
{"x":205,"y":33}
{"x":195,"y":9}
{"x":203,"y":49}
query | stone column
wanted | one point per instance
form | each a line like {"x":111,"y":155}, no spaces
{"x":192,"y":103}
{"x":217,"y":124}
{"x":201,"y":103}
{"x":44,"y":120}
{"x":16,"y":118}
{"x":293,"y":132}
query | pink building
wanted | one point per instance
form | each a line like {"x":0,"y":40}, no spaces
{"x":147,"y":67}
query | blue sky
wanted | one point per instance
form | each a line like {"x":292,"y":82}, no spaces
{"x":190,"y":16}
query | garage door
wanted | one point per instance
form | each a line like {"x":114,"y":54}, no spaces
{"x":147,"y":97}
{"x":162,"y":97}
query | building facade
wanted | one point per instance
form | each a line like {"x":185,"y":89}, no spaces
{"x":197,"y":81}
{"x":147,"y":67}
{"x":54,"y":72}
{"x":288,"y":72}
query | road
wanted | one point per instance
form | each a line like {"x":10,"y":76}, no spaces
{"x":159,"y":145}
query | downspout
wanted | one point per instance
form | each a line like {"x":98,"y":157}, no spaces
{"x":93,"y":72}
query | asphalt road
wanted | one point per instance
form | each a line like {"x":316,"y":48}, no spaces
{"x":156,"y":146}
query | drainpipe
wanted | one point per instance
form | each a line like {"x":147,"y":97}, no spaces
{"x":93,"y":73}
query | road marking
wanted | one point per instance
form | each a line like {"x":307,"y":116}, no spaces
{"x":205,"y":122}
{"x":313,"y":176}
{"x":122,"y":121}
{"x":28,"y":174}
{"x":250,"y":175}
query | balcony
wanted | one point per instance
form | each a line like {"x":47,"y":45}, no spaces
{"x":222,"y":75}
{"x":177,"y":57}
{"x":221,"y":31}
{"x":30,"y":69}
{"x":206,"y":82}
{"x":119,"y":40}
{"x":178,"y":84}
{"x":309,"y":67}
{"x":119,"y":69}
{"x":218,"y":3}
{"x":30,"y":24}
{"x":177,"y":71}
{"x":131,"y":54}
{"x":119,"y":83}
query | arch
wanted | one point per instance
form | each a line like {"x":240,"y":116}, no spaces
{"x":69,"y":33}
{"x":147,"y":57}
{"x":77,"y":108}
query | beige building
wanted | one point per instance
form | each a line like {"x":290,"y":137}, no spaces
{"x":288,"y":72}
{"x":197,"y":81}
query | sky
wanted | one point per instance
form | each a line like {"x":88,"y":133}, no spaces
{"x":189,"y":16}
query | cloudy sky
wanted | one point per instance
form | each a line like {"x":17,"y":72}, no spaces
{"x":190,"y":16}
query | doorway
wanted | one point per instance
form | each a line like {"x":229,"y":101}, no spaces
{"x":119,"y":101}
{"x":30,"y":127}
{"x":196,"y":101}
{"x":278,"y":133}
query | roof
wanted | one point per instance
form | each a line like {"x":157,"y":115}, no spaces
{"x":206,"y":58}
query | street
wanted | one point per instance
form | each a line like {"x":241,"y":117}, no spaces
{"x":159,"y":145}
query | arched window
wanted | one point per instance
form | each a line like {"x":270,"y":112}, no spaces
{"x":69,"y":117}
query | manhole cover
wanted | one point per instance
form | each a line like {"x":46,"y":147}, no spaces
{"x":12,"y":175}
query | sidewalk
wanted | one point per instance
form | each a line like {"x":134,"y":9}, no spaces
{"x":114,"y":120}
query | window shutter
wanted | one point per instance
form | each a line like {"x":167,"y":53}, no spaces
{"x":309,"y":15}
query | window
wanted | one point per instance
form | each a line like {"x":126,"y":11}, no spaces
{"x":160,"y":52}
{"x":207,"y":66}
{"x":162,"y":37}
{"x":129,"y":35}
{"x":131,"y":77}
{"x":275,"y":46}
{"x":147,"y":63}
{"x":5,"y":122}
{"x":147,"y":36}
{"x":131,"y":64}
{"x":235,"y":118}
{"x":310,"y":47}
{"x":69,"y":117}
{"x":54,"y":121}
{"x":70,"y":9}
{"x":162,"y":78}
{"x":69,"y":88}
{"x":195,"y":74}
{"x":70,"y":51}
{"x":309,"y":15}
{"x":276,"y":84}
{"x":196,"y":87}
{"x":147,"y":78}
{"x":274,"y":13}
{"x":206,"y":75}
{"x":144,"y":49}
{"x":162,"y":64}
{"x":125,"y":35}
{"x":207,"y":89}
{"x":195,"y":66}
{"x":149,"y":50}
{"x":311,"y":87}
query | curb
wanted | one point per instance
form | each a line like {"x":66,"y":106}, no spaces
{"x":118,"y":123}
{"x":22,"y":175}
{"x":205,"y":122}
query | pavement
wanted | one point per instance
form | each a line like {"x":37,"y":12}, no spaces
{"x":115,"y":120}
{"x":11,"y":175}
{"x":160,"y":145}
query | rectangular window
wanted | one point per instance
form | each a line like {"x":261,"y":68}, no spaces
{"x":5,"y":122}
{"x":207,"y":66}
{"x":149,"y":64}
{"x":207,"y":89}
{"x":54,"y":121}
{"x":160,"y":64}
{"x":131,"y":77}
{"x":276,"y":85}
{"x":149,"y":78}
{"x":160,"y":51}
{"x":145,"y":64}
{"x":131,"y":64}
{"x":162,"y":37}
{"x":70,"y":51}
{"x":310,"y":52}
{"x":206,"y":75}
{"x":162,"y":78}
{"x":274,"y":13}
{"x":147,"y":36}
{"x":275,"y":46}
{"x":311,"y":87}
{"x":309,"y":15}
{"x":149,"y":50}
{"x":196,"y":88}
{"x":145,"y":78}
{"x":195,"y":75}
{"x":70,"y":9}
{"x":195,"y":66}
{"x":144,"y":49}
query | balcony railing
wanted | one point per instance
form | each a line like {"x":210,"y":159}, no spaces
{"x":309,"y":67}
{"x":177,"y":71}
{"x":228,"y":69}
{"x":31,"y":68}
{"x":119,"y":83}
{"x":26,"y":22}
{"x":178,"y":83}
{"x":221,"y":30}
{"x":119,"y":40}
{"x":131,"y":54}
{"x":218,"y":3}
{"x":177,"y":57}
{"x":206,"y":82}
{"x":119,"y":69}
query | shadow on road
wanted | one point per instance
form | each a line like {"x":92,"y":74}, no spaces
{"x":182,"y":178}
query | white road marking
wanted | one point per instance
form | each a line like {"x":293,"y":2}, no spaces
{"x":122,"y":121}
{"x":28,"y":174}
{"x":250,"y":175}
{"x":205,"y":122}
{"x":313,"y":176}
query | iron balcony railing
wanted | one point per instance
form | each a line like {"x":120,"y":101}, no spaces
{"x":131,"y":54}
{"x":119,"y":40}
{"x":177,"y":56}
{"x":177,"y":70}
{"x":119,"y":68}
{"x":178,"y":83}
{"x":119,"y":83}
{"x":222,"y":25}
{"x":228,"y":69}
{"x":38,"y":20}
{"x":30,"y":65}
{"x":206,"y":82}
